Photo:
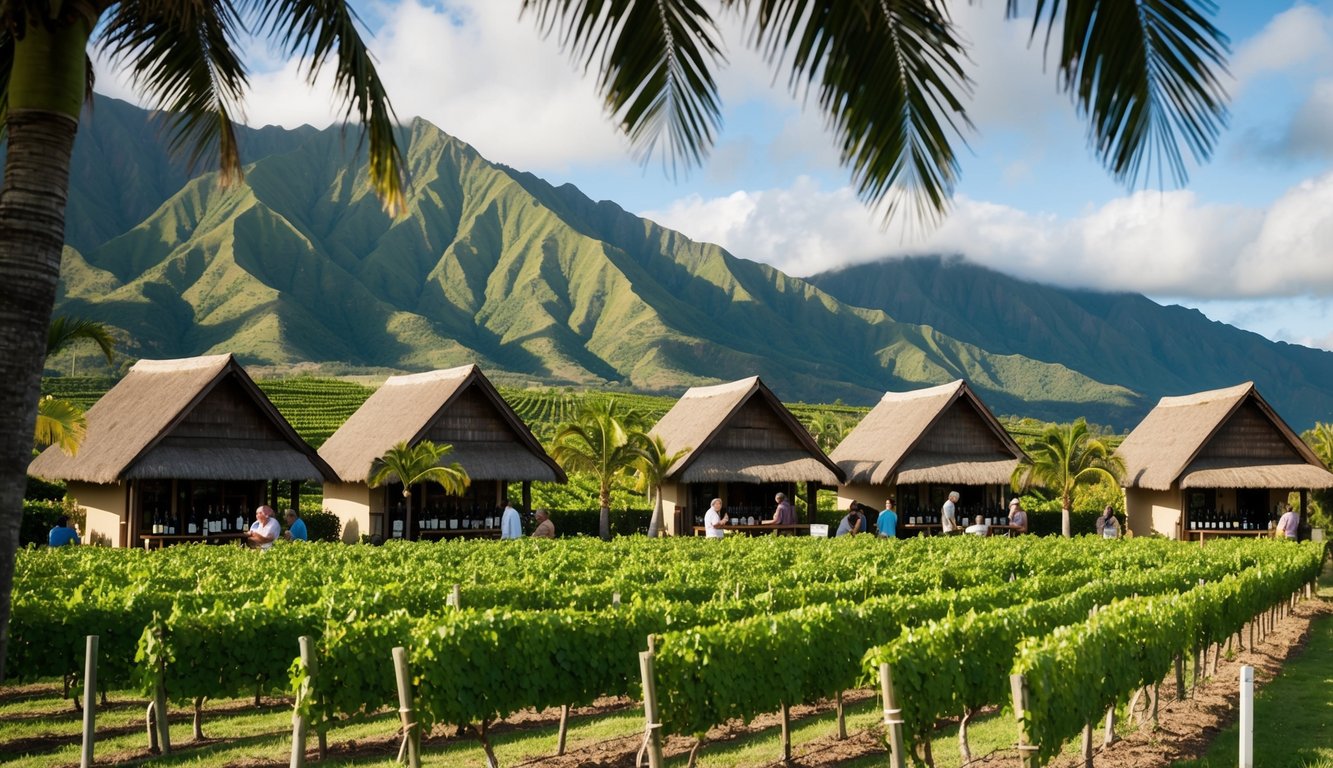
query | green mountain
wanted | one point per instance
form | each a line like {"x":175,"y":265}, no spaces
{"x":297,"y":264}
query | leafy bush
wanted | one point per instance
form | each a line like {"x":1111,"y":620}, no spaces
{"x":322,"y":525}
{"x":39,"y":517}
{"x":584,"y":522}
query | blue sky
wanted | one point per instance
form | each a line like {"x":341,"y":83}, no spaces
{"x":1245,"y":241}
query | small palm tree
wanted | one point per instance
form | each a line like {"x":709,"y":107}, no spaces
{"x":60,"y":422}
{"x":1320,"y":439}
{"x":652,"y":467}
{"x":412,"y":465}
{"x":602,"y":442}
{"x":828,"y":429}
{"x":66,"y":331}
{"x":1061,"y":459}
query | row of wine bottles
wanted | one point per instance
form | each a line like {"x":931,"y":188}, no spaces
{"x":163,"y":523}
{"x":452,"y":517}
{"x":1230,"y":520}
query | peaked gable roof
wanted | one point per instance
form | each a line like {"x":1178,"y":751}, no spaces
{"x":130,"y":430}
{"x":698,"y":422}
{"x":1175,"y":442}
{"x":891,"y":442}
{"x":406,"y":408}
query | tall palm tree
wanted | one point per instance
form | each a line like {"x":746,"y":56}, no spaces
{"x":185,"y":58}
{"x":828,"y":429}
{"x":651,"y":467}
{"x":1320,"y":440}
{"x":1061,"y":459}
{"x":412,"y":465}
{"x":888,"y":73}
{"x":600,"y":441}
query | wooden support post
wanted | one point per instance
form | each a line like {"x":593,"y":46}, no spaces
{"x":1026,"y":752}
{"x":652,"y":728}
{"x":198,"y":718}
{"x":1180,"y":678}
{"x":893,"y":716}
{"x":1108,"y":735}
{"x":150,"y":718}
{"x":564,"y":730}
{"x":1086,"y":751}
{"x":160,"y":706}
{"x":89,"y":700}
{"x":455,"y":599}
{"x":786,"y":734}
{"x":411,"y":731}
{"x":1156,"y":695}
{"x":300,"y":726}
{"x":1198,"y":666}
{"x":842,"y":719}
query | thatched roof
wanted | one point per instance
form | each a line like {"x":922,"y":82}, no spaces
{"x":942,"y":434}
{"x":741,"y":432}
{"x":1223,"y":438}
{"x":199,"y":418}
{"x":489,"y":440}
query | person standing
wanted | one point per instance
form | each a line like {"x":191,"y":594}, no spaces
{"x":1017,"y":517}
{"x":713,"y":518}
{"x":949,"y":514}
{"x":264,"y":530}
{"x":1108,"y":527}
{"x":62,"y":534}
{"x":886,"y":525}
{"x":295,"y":527}
{"x":1288,"y":526}
{"x":511,"y":527}
{"x":785,"y":514}
{"x":545,"y":528}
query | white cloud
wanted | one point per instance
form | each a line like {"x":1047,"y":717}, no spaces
{"x":1161,"y":243}
{"x":1292,"y":39}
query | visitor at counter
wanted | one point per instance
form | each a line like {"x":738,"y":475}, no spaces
{"x":1288,"y":525}
{"x":295,"y":527}
{"x":851,"y":523}
{"x":1108,"y":527}
{"x":510,"y":526}
{"x":62,"y":534}
{"x":785,"y":514}
{"x":949,"y":514}
{"x":713,"y":518}
{"x":264,"y":530}
{"x":545,"y":528}
{"x":1017,"y":517}
{"x":978,"y":527}
{"x":886,"y":525}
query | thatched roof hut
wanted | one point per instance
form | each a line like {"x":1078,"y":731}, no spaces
{"x":201,"y":418}
{"x":942,"y":434}
{"x":741,"y":432}
{"x":1224,"y":438}
{"x":458,"y":406}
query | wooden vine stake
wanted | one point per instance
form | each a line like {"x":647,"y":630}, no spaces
{"x":893,"y":716}
{"x":652,"y":728}
{"x":150,"y":717}
{"x":842,"y":719}
{"x":89,"y":700}
{"x":786,"y":734}
{"x":160,"y":701}
{"x":564,"y":730}
{"x":1086,"y":751}
{"x":300,"y":726}
{"x":455,"y":599}
{"x":411,"y":731}
{"x":1026,"y":752}
{"x":1108,"y":735}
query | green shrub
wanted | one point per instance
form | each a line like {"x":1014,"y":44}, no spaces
{"x":322,"y":525}
{"x":40,"y":515}
{"x":584,"y":522}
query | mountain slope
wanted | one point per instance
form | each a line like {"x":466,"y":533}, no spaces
{"x":298,"y":263}
{"x":1117,"y":338}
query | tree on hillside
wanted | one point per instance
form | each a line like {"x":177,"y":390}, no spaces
{"x":412,"y":465}
{"x":602,"y":442}
{"x":652,"y":466}
{"x":888,"y":74}
{"x":1320,"y":440}
{"x":1063,"y":458}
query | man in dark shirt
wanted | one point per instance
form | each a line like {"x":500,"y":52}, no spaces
{"x":785,"y":514}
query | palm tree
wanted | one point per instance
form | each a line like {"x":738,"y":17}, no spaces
{"x":65,"y":331}
{"x":59,"y":421}
{"x":185,"y":58}
{"x":1061,"y":459}
{"x":652,"y":466}
{"x":412,"y":465}
{"x":1320,"y":440}
{"x":888,"y":73}
{"x":602,"y":442}
{"x":828,"y":429}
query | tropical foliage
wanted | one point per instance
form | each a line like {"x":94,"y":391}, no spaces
{"x":604,"y":442}
{"x":60,"y":421}
{"x":654,"y":463}
{"x":412,"y":465}
{"x":1063,"y":459}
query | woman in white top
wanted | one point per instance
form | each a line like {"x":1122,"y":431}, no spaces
{"x":713,"y":518}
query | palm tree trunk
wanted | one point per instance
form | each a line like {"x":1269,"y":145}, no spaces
{"x":604,"y":522}
{"x":655,"y":524}
{"x":41,"y":130}
{"x":1066,"y":523}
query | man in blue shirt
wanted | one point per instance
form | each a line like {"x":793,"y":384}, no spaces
{"x":62,"y":534}
{"x":887,"y":523}
{"x":295,"y":528}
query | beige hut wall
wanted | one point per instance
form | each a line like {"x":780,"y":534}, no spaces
{"x":351,"y":503}
{"x":870,"y":495}
{"x":1153,"y":512}
{"x":673,"y":498}
{"x":105,"y":505}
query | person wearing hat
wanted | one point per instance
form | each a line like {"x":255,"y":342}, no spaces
{"x":545,"y":528}
{"x":1017,"y":517}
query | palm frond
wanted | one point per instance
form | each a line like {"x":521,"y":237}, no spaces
{"x":183,"y":55}
{"x":1145,"y":75}
{"x":320,"y":30}
{"x":65,"y":331}
{"x":61,"y":423}
{"x":890,"y":78}
{"x":654,"y":61}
